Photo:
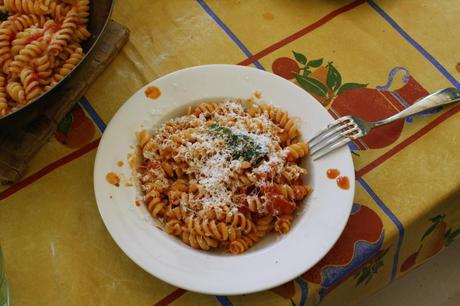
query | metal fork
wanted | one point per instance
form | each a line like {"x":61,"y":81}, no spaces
{"x":348,"y":128}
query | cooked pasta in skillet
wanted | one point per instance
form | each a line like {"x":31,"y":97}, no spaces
{"x":39,"y":45}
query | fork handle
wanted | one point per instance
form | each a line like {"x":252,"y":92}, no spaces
{"x":440,"y":98}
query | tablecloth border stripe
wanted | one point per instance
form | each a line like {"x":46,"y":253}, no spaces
{"x":409,"y":140}
{"x":227,"y":30}
{"x":393,"y":218}
{"x":44,"y":171}
{"x":171,"y":297}
{"x":224,"y":300}
{"x":301,"y":32}
{"x":93,"y":114}
{"x":303,"y":291}
{"x":415,"y":44}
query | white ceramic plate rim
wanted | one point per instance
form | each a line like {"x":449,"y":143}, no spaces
{"x":273,"y":261}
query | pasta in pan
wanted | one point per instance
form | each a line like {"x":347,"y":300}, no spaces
{"x":224,"y":176}
{"x":39,"y":45}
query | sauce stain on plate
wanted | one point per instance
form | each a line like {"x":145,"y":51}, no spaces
{"x":343,"y":182}
{"x":332,"y":173}
{"x":112,"y":178}
{"x":152,"y":92}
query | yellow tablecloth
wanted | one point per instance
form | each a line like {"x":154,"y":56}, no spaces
{"x":388,"y":53}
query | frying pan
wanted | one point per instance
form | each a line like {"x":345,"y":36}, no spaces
{"x":100,"y":12}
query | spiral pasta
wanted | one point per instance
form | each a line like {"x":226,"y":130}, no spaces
{"x":29,"y":80}
{"x":16,"y":92}
{"x":283,"y":223}
{"x":26,"y":6}
{"x":296,"y":151}
{"x":198,"y":241}
{"x":70,"y":63}
{"x":221,"y":176}
{"x":39,"y":46}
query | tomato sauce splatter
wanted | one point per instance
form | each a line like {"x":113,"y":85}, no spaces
{"x":152,"y":92}
{"x":278,"y":205}
{"x":332,"y":173}
{"x":112,"y":178}
{"x":343,"y":182}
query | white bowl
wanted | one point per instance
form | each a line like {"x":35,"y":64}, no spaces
{"x":271,"y":262}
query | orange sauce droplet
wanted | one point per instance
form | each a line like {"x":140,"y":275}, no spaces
{"x":120,"y":163}
{"x":332,"y":173}
{"x":138,"y":202}
{"x":343,"y":182}
{"x":113,"y":179}
{"x":152,"y":92}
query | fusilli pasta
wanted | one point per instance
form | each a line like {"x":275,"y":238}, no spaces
{"x":223,"y":176}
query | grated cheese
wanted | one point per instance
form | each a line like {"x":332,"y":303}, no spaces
{"x":209,"y":159}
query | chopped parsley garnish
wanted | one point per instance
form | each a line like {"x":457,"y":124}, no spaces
{"x":242,"y":146}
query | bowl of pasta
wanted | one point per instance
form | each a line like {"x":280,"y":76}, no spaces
{"x":203,"y":179}
{"x":41,"y":44}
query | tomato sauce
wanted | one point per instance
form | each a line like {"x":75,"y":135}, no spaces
{"x":278,"y":205}
{"x":343,"y":182}
{"x":152,"y":92}
{"x":332,"y":173}
{"x":33,"y":38}
{"x":112,"y":178}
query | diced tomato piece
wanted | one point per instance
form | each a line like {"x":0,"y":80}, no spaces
{"x":153,"y":165}
{"x":298,"y":181}
{"x":244,"y":208}
{"x":270,"y":188}
{"x":277,"y":204}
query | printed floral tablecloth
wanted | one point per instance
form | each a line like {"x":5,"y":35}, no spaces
{"x":370,"y":58}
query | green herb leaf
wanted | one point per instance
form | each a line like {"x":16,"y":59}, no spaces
{"x":243,"y":146}
{"x":214,"y":126}
{"x":429,"y":230}
{"x":312,"y":85}
{"x":438,"y":218}
{"x":454,"y":234}
{"x":368,"y":279}
{"x":348,"y":86}
{"x":383,"y":254}
{"x":376,"y":266}
{"x":65,"y":125}
{"x":447,"y":234}
{"x":315,"y":63}
{"x":451,"y":237}
{"x":362,"y":278}
{"x":300,"y":57}
{"x":334,"y":79}
{"x":305,"y":72}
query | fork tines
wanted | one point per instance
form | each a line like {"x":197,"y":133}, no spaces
{"x":337,"y":134}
